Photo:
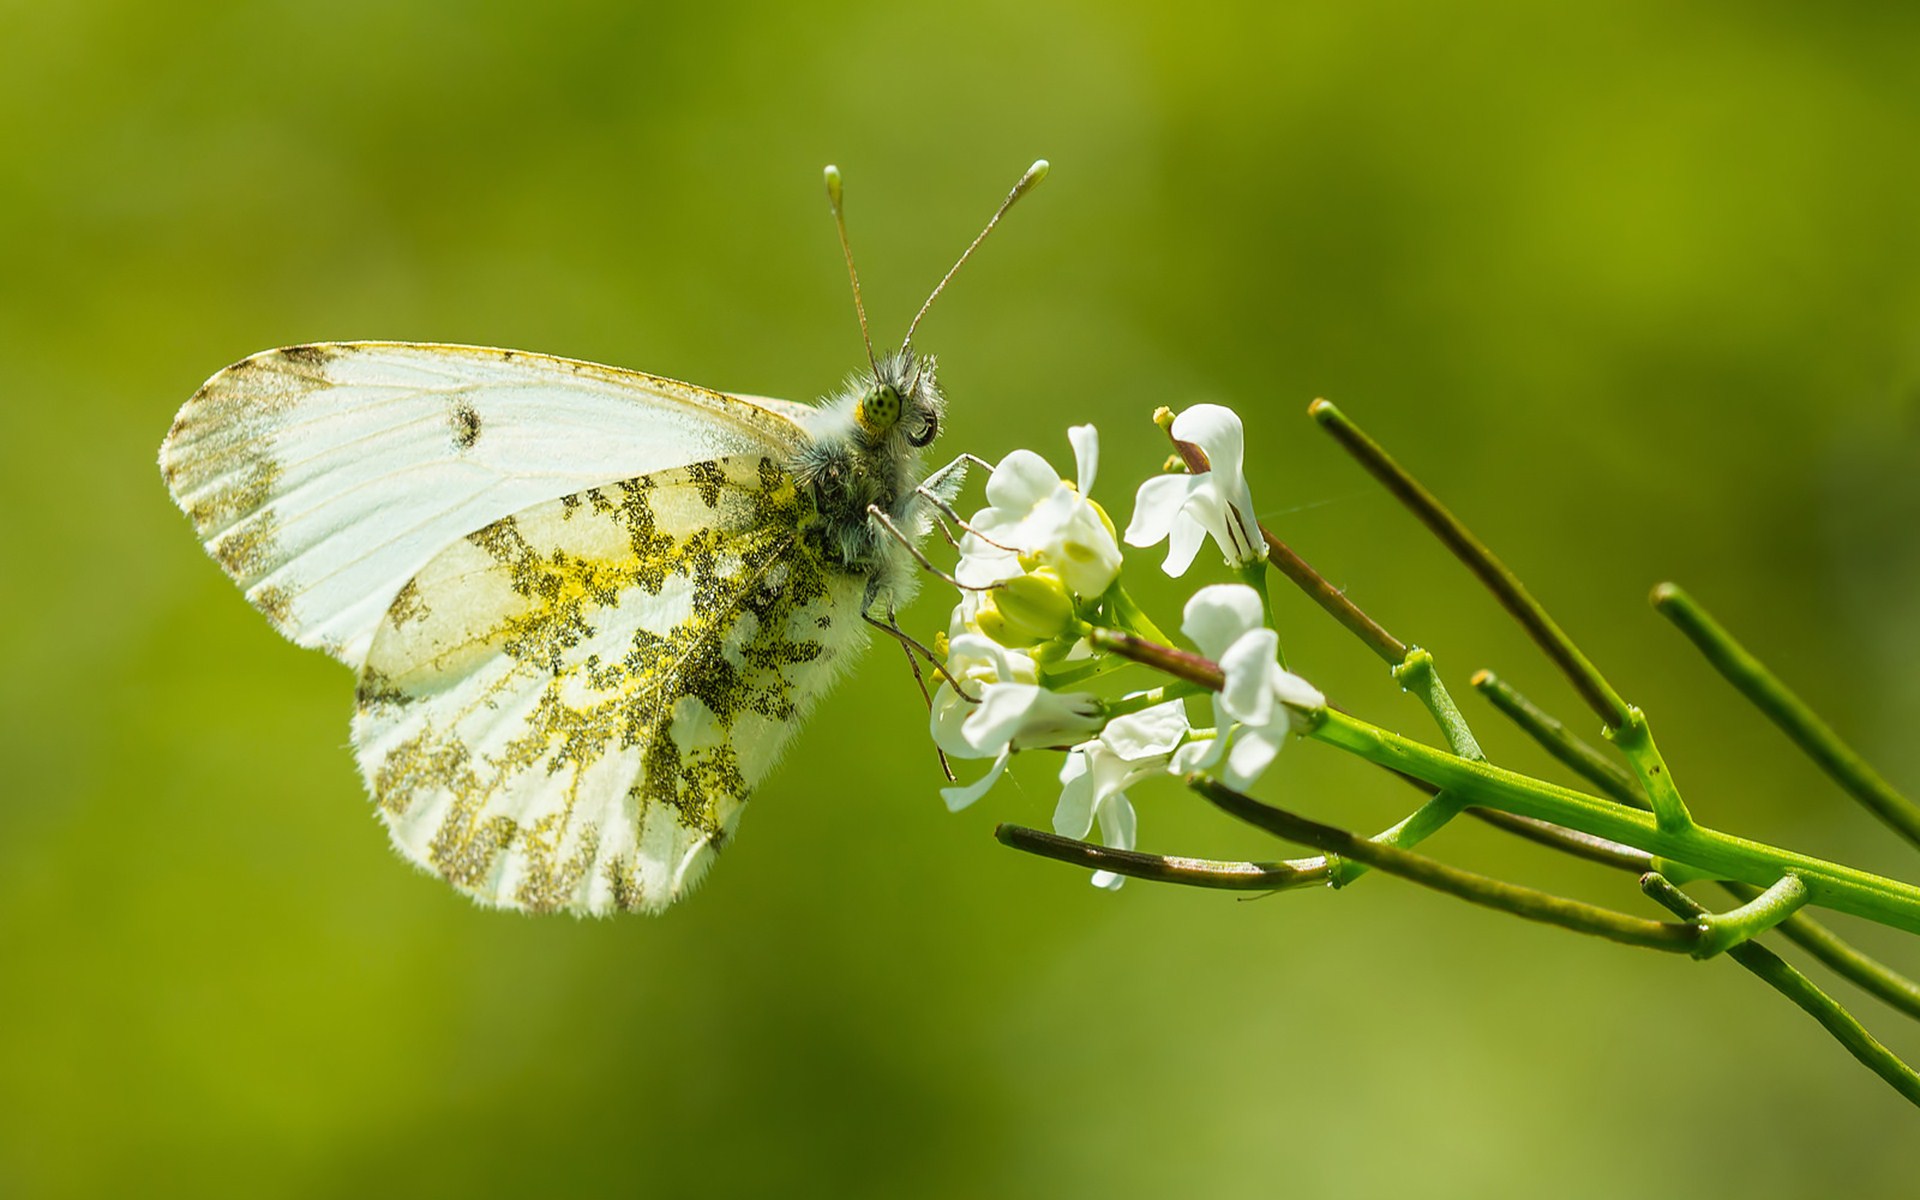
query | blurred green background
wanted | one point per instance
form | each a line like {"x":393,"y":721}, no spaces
{"x":1635,"y":286}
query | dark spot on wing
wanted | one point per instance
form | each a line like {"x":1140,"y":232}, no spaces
{"x":312,"y":356}
{"x":466,"y":425}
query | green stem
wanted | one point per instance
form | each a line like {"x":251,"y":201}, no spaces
{"x":1635,"y":739}
{"x":1767,"y":693}
{"x":1126,"y":705}
{"x":1196,"y":669}
{"x":1723,"y":931}
{"x":1332,"y":600}
{"x":1865,"y":972}
{"x":1415,"y":674}
{"x":1503,"y":583}
{"x":1133,"y":618}
{"x":1161,"y":868}
{"x":1554,"y":737}
{"x":1254,"y":575}
{"x":1831,"y":885}
{"x":1466,"y":885}
{"x":1798,"y":988}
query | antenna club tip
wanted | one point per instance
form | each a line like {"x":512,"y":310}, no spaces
{"x":1039,"y":169}
{"x":832,"y":174}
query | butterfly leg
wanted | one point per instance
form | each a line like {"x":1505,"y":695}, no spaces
{"x":891,"y":628}
{"x":886,"y":522}
{"x":920,"y":681}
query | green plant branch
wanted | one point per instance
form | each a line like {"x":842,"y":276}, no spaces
{"x":1568,"y":841}
{"x":1204,"y":673}
{"x":1510,"y":898}
{"x":1163,"y":868}
{"x":1716,"y":854}
{"x":1498,"y":579}
{"x":1796,"y":987}
{"x":1864,"y":971}
{"x":1553,"y":736}
{"x":1764,"y":690}
{"x":1635,"y":739}
{"x":1724,"y":930}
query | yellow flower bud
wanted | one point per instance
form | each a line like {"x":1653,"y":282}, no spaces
{"x":1026,"y":610}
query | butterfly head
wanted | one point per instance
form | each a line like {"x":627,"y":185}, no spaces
{"x":902,"y":401}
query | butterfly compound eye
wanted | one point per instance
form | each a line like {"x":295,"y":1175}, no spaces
{"x":879,"y":410}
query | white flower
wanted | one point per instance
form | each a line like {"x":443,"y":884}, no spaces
{"x":1225,"y":621}
{"x":1010,"y":711}
{"x":1035,"y":518}
{"x":1097,"y":773}
{"x":1187,"y":509}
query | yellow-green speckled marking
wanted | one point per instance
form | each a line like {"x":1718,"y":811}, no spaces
{"x":567,"y":708}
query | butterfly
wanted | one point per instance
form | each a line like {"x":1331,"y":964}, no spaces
{"x":587,"y":607}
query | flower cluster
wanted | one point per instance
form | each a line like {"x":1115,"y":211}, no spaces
{"x":1039,"y":572}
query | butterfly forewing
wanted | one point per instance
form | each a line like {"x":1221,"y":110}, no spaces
{"x":568,"y":707}
{"x":324,"y":477}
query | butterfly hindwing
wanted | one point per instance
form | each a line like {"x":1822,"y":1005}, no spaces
{"x":323,"y":477}
{"x":567,"y":708}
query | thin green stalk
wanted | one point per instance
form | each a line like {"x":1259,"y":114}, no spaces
{"x":1864,"y":971}
{"x":1554,"y":737}
{"x":1498,"y":579}
{"x":1764,"y":690}
{"x":1133,"y":617}
{"x":1832,"y":885}
{"x":1330,"y":598}
{"x":1466,"y":885}
{"x":1796,"y":987}
{"x":1725,"y":930}
{"x":1181,"y":664}
{"x":1568,"y":841}
{"x":1415,"y":674}
{"x":1635,"y":739}
{"x":1254,"y":575}
{"x":1126,"y":705}
{"x":1162,"y":868}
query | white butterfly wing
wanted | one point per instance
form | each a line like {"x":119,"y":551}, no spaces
{"x":568,"y":708}
{"x":323,"y":478}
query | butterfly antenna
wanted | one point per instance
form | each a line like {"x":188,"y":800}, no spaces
{"x":846,"y":248}
{"x":1034,"y":175}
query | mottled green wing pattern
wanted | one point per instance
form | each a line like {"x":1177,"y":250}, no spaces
{"x":568,"y":708}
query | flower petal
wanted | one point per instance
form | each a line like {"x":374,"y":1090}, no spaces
{"x":1155,"y":506}
{"x":1216,"y":429}
{"x":1086,"y":455}
{"x":1183,"y":542}
{"x":1022,"y":480}
{"x":958,"y":798}
{"x":1296,"y":691}
{"x":1073,"y":815}
{"x":1146,"y":733}
{"x":1252,"y":751}
{"x":1219,"y":614}
{"x":1250,"y":665}
{"x":1118,"y":825}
